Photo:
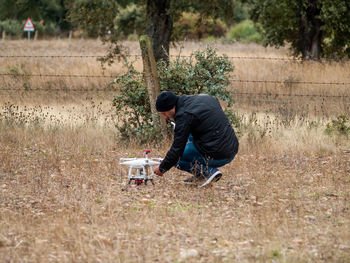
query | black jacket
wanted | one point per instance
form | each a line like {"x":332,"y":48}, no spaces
{"x":203,"y":117}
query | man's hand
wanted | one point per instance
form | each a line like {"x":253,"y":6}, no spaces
{"x":157,"y":172}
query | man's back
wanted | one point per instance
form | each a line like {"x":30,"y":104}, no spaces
{"x":211,"y":130}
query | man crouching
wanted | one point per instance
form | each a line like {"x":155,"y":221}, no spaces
{"x":203,"y":138}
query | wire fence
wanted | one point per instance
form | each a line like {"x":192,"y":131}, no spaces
{"x":277,"y":102}
{"x":288,"y":95}
{"x":180,"y":56}
{"x":139,"y":56}
{"x":58,"y":75}
{"x":274,"y":97}
{"x":269,"y":97}
{"x":18,"y":75}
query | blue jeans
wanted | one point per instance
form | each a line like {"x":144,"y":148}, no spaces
{"x":194,"y":162}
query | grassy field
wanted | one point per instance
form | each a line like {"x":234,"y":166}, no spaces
{"x":64,"y":197}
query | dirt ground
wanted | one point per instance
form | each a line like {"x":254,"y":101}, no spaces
{"x":74,"y":205}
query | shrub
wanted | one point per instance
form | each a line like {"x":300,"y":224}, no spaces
{"x":341,"y":126}
{"x":49,"y":29}
{"x":245,"y":31}
{"x":12,"y":27}
{"x":134,"y":119}
{"x":203,"y":72}
{"x":15,"y":28}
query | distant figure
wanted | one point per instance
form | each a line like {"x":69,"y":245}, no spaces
{"x":203,"y":138}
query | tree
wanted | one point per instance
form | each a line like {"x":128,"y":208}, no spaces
{"x":99,"y":16}
{"x":159,"y":25}
{"x":313,"y":28}
{"x":42,"y":10}
{"x":96,"y":18}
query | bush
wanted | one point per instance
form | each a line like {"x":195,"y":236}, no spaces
{"x":340,"y":126}
{"x":15,"y":28}
{"x":134,"y":120}
{"x":49,"y":29}
{"x":203,"y":72}
{"x":12,"y":27}
{"x":244,"y":32}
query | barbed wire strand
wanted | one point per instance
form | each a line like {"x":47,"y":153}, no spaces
{"x":181,"y":56}
{"x":51,"y":56}
{"x":289,"y":82}
{"x":235,"y":94}
{"x":231,"y":79}
{"x":287,"y":95}
{"x":58,"y":75}
{"x":302,"y":102}
{"x":237,"y":101}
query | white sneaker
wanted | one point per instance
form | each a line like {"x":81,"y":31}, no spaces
{"x":215,"y":176}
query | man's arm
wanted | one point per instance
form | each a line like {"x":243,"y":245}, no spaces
{"x":181,"y":133}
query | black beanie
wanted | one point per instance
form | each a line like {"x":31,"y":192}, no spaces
{"x":166,"y":100}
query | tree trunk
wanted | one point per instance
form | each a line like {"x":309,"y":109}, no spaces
{"x":159,"y":27}
{"x":310,"y":33}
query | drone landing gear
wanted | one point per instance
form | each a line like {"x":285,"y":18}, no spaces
{"x":140,"y":181}
{"x":149,"y":180}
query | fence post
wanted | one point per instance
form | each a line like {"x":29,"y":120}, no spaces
{"x":152,"y":80}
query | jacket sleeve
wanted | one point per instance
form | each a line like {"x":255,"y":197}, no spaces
{"x":181,"y":133}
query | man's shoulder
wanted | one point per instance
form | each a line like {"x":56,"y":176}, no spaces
{"x":198,"y":97}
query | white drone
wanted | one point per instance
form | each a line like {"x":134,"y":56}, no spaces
{"x":142,"y":168}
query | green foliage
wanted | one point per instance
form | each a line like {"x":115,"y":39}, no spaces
{"x":275,"y":255}
{"x":222,"y":9}
{"x":130,"y":20}
{"x":111,"y":19}
{"x":49,"y":29}
{"x":193,"y":26}
{"x":12,"y":27}
{"x":341,"y":126}
{"x":94,"y":16}
{"x":134,"y":120}
{"x":301,"y":23}
{"x":240,"y":11}
{"x":15,"y":28}
{"x":244,"y":32}
{"x":203,"y":72}
{"x":45,"y":10}
{"x":336,"y":28}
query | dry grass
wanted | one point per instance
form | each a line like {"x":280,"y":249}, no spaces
{"x":271,"y":96}
{"x":64,"y":198}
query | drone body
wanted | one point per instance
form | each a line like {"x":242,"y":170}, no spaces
{"x":140,"y":169}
